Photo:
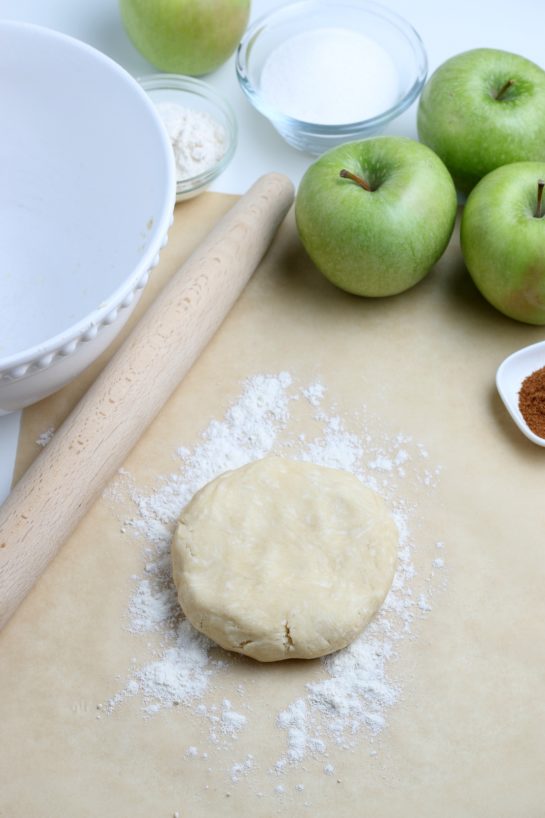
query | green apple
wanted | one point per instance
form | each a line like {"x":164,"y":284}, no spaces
{"x":185,"y":36}
{"x":376,"y":215}
{"x":503,"y":240}
{"x":483,"y":109}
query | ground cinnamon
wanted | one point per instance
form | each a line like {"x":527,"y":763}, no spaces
{"x":532,"y":401}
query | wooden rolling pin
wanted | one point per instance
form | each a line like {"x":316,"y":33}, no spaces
{"x":93,"y":442}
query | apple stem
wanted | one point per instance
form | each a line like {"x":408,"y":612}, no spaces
{"x":540,"y":186}
{"x":359,"y":180}
{"x":505,"y":87}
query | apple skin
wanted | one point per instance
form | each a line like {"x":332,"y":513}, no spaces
{"x":380,"y":242}
{"x":473,"y":132}
{"x":185,"y":36}
{"x":503,"y":242}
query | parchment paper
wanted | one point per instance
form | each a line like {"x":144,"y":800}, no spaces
{"x":468,"y":736}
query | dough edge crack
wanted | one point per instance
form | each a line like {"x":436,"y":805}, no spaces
{"x":288,"y":639}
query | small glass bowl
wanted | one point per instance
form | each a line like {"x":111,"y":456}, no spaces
{"x":390,"y":31}
{"x":199,"y":96}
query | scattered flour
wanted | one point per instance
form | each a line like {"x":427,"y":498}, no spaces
{"x":180,"y":675}
{"x":357,"y":687}
{"x":242,"y":768}
{"x":423,"y":603}
{"x":45,"y":437}
{"x":314,"y":393}
{"x":231,"y":722}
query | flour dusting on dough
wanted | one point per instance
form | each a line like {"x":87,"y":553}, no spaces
{"x":358,"y":685}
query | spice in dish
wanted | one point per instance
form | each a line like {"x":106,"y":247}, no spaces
{"x":532,"y":401}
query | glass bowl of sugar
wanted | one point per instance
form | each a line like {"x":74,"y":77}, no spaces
{"x":327,"y":72}
{"x":201,"y":126}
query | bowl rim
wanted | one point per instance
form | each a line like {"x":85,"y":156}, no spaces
{"x":300,"y":8}
{"x":101,"y":315}
{"x":183,"y":82}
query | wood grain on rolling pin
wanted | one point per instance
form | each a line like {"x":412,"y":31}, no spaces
{"x":66,"y":478}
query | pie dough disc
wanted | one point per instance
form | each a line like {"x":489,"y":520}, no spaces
{"x":282,"y":559}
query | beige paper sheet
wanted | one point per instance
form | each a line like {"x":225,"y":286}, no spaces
{"x":468,"y":736}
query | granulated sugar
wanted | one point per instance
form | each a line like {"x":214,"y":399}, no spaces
{"x":329,"y":76}
{"x":350,"y":702}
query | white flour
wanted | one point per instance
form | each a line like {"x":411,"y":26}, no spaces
{"x":357,"y":687}
{"x":330,"y":76}
{"x":45,"y":437}
{"x":197,"y":139}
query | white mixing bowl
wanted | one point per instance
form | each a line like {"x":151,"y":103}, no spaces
{"x":87,"y":190}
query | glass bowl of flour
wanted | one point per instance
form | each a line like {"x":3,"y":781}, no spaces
{"x":325,"y":73}
{"x":201,"y":127}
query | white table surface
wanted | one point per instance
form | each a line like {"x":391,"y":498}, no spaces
{"x":446,"y":28}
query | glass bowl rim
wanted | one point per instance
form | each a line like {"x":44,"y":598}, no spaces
{"x":295,"y":10}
